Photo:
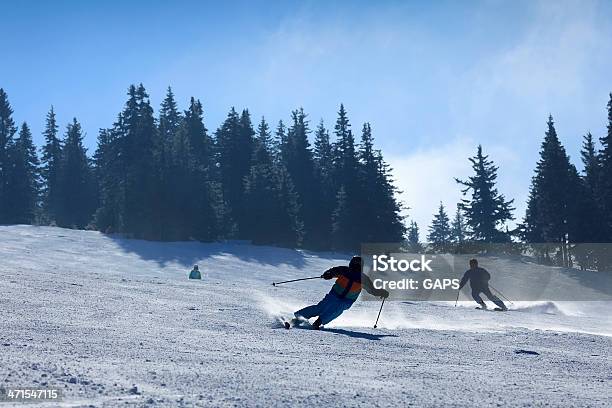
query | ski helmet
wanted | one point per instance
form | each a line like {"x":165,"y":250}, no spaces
{"x":355,"y":262}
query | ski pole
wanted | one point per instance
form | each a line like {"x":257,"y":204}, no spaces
{"x":295,"y":280}
{"x":501,"y":294}
{"x":378,"y":317}
{"x":459,"y":291}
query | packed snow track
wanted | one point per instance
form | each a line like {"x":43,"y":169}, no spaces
{"x":115,"y":322}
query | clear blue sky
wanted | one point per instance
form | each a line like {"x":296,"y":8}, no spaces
{"x":433,"y":78}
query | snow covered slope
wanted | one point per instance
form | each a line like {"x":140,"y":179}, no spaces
{"x":113,"y":322}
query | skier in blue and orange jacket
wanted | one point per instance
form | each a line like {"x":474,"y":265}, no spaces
{"x":344,"y":292}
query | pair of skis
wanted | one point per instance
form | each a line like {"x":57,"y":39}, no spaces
{"x":497,"y":309}
{"x":297,"y":323}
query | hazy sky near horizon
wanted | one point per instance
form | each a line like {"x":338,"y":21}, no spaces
{"x":433,"y":78}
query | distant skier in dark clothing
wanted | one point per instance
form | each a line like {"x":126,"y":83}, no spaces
{"x":344,"y":292}
{"x":479,"y":282}
{"x":195,"y":273}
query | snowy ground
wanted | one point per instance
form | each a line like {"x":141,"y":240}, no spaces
{"x":115,"y":322}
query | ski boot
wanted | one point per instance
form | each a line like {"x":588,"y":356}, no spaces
{"x":297,"y":321}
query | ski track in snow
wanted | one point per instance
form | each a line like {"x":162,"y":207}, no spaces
{"x":98,"y":315}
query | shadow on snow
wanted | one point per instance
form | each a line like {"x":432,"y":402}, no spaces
{"x":357,"y":334}
{"x":188,"y":253}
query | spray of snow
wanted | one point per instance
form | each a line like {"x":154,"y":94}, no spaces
{"x":276,"y":307}
{"x":549,"y":308}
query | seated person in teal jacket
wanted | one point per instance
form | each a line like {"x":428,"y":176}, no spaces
{"x":195,"y":273}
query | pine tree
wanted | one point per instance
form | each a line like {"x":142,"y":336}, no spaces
{"x":368,"y":177}
{"x":384,"y":222}
{"x":169,"y":118}
{"x":260,"y":191}
{"x":297,"y":158}
{"x":531,"y":229}
{"x":234,"y":153}
{"x":130,"y":194}
{"x":108,"y":170}
{"x":291,"y":227}
{"x":139,"y":140}
{"x":75,"y":184}
{"x":440,"y":231}
{"x":591,"y":230}
{"x":486,"y":211}
{"x":391,"y":227}
{"x":458,"y":228}
{"x":189,"y":197}
{"x":553,"y":209}
{"x":289,"y":198}
{"x":414,"y":244}
{"x":169,"y":124}
{"x":201,"y":141}
{"x":605,"y":176}
{"x":198,"y":199}
{"x":324,"y":170}
{"x":587,"y":212}
{"x":590,"y":161}
{"x":271,"y":217}
{"x":323,"y":151}
{"x":51,"y":157}
{"x":279,"y":143}
{"x":597,"y":215}
{"x":7,"y":133}
{"x":343,"y":235}
{"x":346,"y":231}
{"x":346,"y":159}
{"x":22,"y":188}
{"x":246,"y":139}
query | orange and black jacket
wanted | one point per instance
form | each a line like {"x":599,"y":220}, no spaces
{"x":348,"y":282}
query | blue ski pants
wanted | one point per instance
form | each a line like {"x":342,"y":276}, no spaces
{"x":327,"y":309}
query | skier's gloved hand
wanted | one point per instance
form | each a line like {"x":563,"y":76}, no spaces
{"x":382,"y":293}
{"x":328,"y":274}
